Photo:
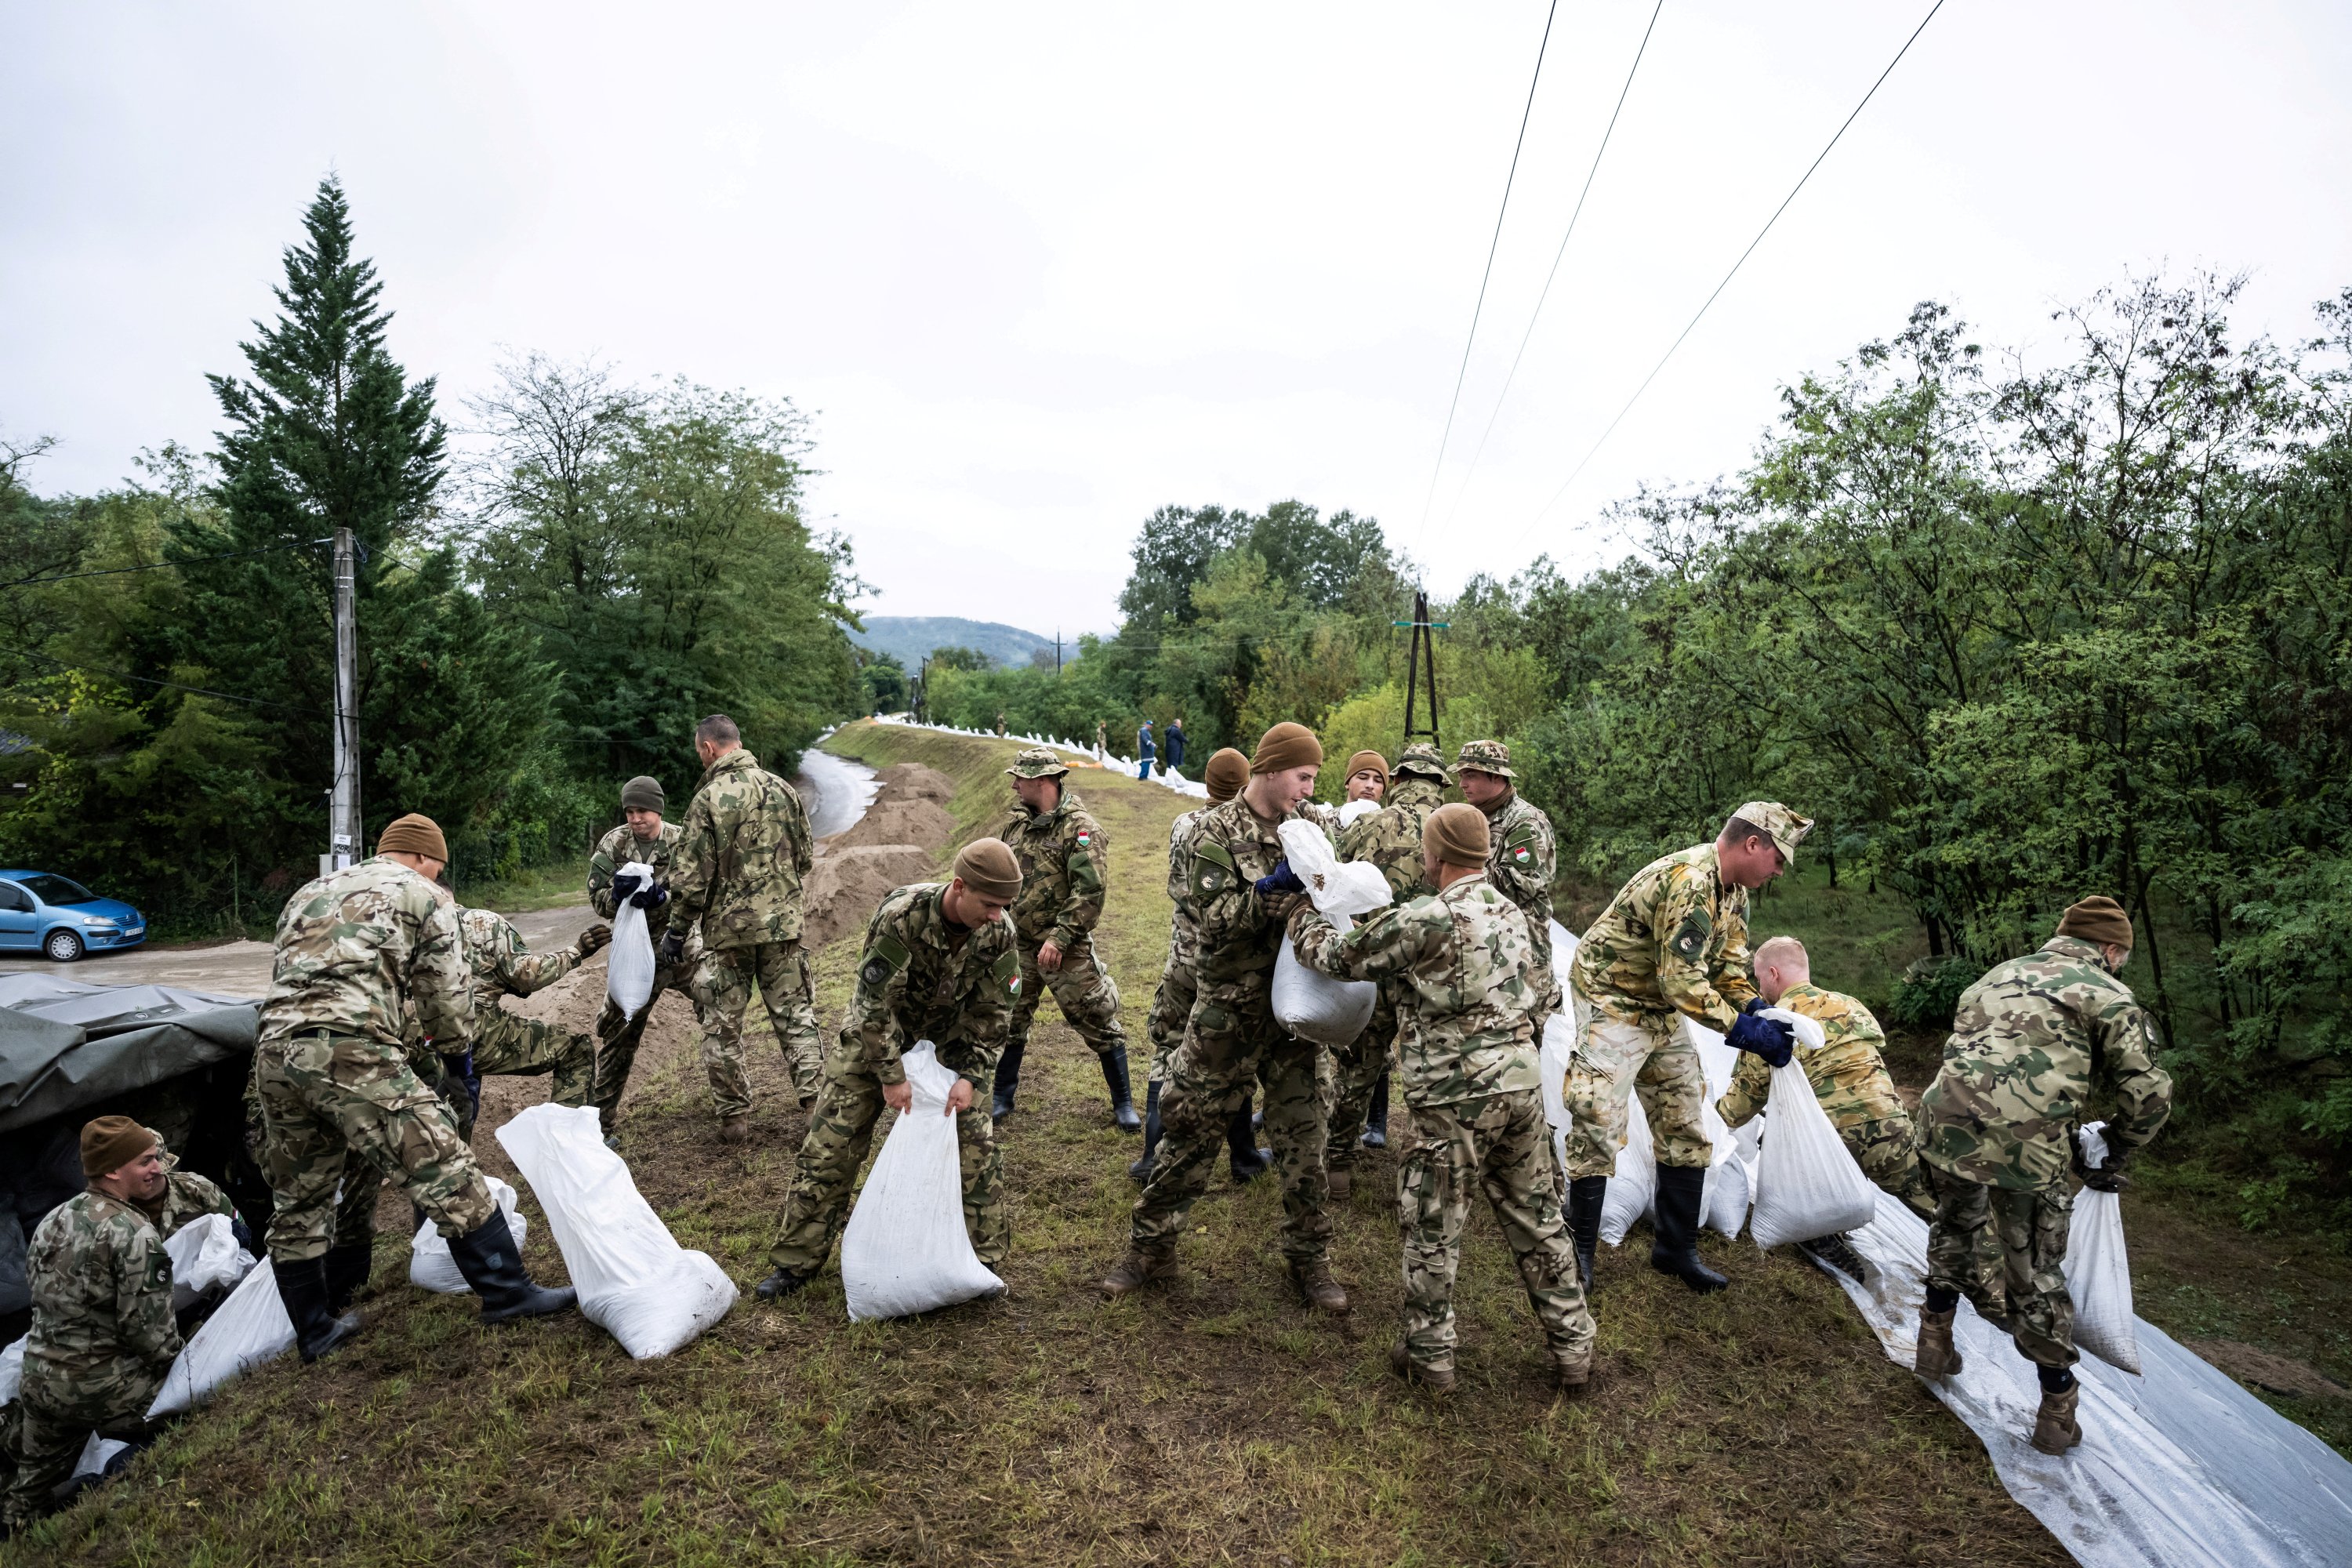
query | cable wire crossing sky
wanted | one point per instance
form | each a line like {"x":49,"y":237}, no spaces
{"x":1036,"y":273}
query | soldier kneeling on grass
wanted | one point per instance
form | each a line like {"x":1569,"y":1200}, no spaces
{"x":2029,"y":1043}
{"x":1464,"y":974}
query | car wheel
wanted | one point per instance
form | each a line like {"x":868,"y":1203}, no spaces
{"x":62,"y":945}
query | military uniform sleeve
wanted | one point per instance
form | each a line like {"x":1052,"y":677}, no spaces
{"x":694,"y":865}
{"x":199,"y":1194}
{"x":143,"y":1295}
{"x":1752,"y":1087}
{"x":988,"y":1014}
{"x":440,"y":987}
{"x":2143,"y":1091}
{"x":601,"y":896}
{"x":523,"y":971}
{"x":1225,"y":906}
{"x":1180,"y":866}
{"x":1525,"y":862}
{"x":1683,"y":929}
{"x":1733,"y":973}
{"x":874,"y":1004}
{"x":1387,"y":943}
{"x":1084,"y":880}
{"x":796,"y":826}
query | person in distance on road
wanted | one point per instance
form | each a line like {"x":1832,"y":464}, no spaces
{"x":942,"y":963}
{"x":2030,"y":1042}
{"x":1064,"y":854}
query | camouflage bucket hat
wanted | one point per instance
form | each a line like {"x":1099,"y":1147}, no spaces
{"x":1787,"y":828}
{"x":1037,"y":763}
{"x":1421,"y":758}
{"x":1487,"y":757}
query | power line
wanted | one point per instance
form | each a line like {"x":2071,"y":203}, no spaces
{"x":167,"y":685}
{"x":1492,"y":246}
{"x":1558,"y":256}
{"x":1735,"y":269}
{"x":160,"y":565}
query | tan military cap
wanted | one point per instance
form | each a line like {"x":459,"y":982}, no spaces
{"x":1787,"y":828}
{"x":1037,"y":763}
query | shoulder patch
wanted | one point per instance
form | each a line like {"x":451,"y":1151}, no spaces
{"x":1006,"y":972}
{"x":1213,"y":871}
{"x":884,"y":959}
{"x":1690,"y":938}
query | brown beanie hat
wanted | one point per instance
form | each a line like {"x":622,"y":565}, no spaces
{"x":413,"y":835}
{"x":1367,"y":763}
{"x":643,"y":793}
{"x":1456,"y":834}
{"x":1287,"y":745}
{"x":110,"y":1143}
{"x":988,"y":869}
{"x":1225,"y":774}
{"x":2098,"y":918}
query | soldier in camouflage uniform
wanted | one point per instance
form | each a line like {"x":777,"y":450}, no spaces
{"x":184,"y":1196}
{"x":941,"y":963}
{"x":103,"y":1337}
{"x":643,"y":839}
{"x":1674,"y":940}
{"x":1064,"y":854}
{"x":1240,"y":891}
{"x":738,"y":872}
{"x":1171,"y":1004}
{"x":508,"y":1044}
{"x":1462,"y":970}
{"x":356,"y":949}
{"x":2030,"y":1042}
{"x":1390,"y":840}
{"x":1526,"y":856}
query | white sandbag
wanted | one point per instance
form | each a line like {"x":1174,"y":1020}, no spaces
{"x":12,"y":1371}
{"x":431,"y":1268}
{"x":906,"y":1249}
{"x":250,"y":1328}
{"x":205,"y":1257}
{"x":635,"y":1282}
{"x":1725,"y":1175}
{"x":1563,"y":960}
{"x":1353,"y":888}
{"x":629,"y":960}
{"x":1551,"y":1067}
{"x":97,"y":1454}
{"x":1356,"y":811}
{"x":2098,"y":1269}
{"x":1807,"y":1185}
{"x":1634,"y":1186}
{"x":1317,"y":1007}
{"x":1807,"y":1030}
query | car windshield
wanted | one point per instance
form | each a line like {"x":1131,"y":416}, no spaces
{"x":52,"y":889}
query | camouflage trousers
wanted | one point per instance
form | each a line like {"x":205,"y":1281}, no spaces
{"x":2029,"y":1225}
{"x":1230,"y":1046}
{"x":44,"y":1445}
{"x":1356,"y":1071}
{"x":507,"y":1045}
{"x":1501,"y":1146}
{"x":327,"y":1098}
{"x":618,"y":1036}
{"x":1887,"y":1150}
{"x":782,"y":969}
{"x":1082,"y":988}
{"x":840,"y":1131}
{"x":1616,"y":1059}
{"x":1171,"y":1004}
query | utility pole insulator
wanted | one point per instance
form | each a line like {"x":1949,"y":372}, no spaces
{"x":343,"y":797}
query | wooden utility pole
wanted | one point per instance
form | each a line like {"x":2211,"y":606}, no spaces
{"x":1421,"y":659}
{"x":343,"y":798}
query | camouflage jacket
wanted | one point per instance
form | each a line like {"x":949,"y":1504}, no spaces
{"x":358,"y":946}
{"x":1181,"y":832}
{"x":1464,"y":978}
{"x":916,"y":982}
{"x":2028,"y":1044}
{"x":623,"y":848}
{"x":104,"y":1335}
{"x":1522,"y":863}
{"x":498,"y":963}
{"x":1231,"y":848}
{"x":1674,"y":939}
{"x":1063,"y":854}
{"x":1391,"y":836}
{"x":185,"y":1197}
{"x":740,"y":856}
{"x":1848,"y":1073}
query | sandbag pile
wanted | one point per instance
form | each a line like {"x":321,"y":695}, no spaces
{"x":906,"y":1249}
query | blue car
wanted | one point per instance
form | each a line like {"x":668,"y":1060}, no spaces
{"x":60,"y":919}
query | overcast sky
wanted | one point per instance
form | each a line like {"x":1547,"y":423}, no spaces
{"x":1037,"y":271}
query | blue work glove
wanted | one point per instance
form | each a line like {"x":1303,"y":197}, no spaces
{"x":1281,"y":879}
{"x":459,"y":1069}
{"x":673,"y":948}
{"x":652,"y":896}
{"x":1755,"y":1004}
{"x":1767,"y":1037}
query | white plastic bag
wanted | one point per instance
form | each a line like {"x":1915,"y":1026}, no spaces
{"x":2098,"y":1269}
{"x":431,"y":1268}
{"x":1317,"y":1007}
{"x":1807,"y":1185}
{"x":1725,"y":1175}
{"x":629,"y":962}
{"x":1564,"y":945}
{"x":1634,"y":1186}
{"x":205,"y":1257}
{"x":251,"y":1327}
{"x":1353,"y":888}
{"x":906,"y":1249}
{"x":12,"y":1371}
{"x":1355,"y":811}
{"x":635,"y":1282}
{"x":1551,"y":1067}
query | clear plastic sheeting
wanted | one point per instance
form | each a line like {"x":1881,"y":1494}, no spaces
{"x":2179,"y":1467}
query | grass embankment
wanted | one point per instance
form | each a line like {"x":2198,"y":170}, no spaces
{"x":1208,"y":1422}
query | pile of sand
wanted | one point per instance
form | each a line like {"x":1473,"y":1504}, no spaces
{"x":913,"y":780}
{"x":923,"y":822}
{"x":895,"y":843}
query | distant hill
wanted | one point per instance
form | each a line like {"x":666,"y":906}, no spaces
{"x":912,"y":637}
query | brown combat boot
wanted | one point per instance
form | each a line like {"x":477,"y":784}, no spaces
{"x":1134,"y":1271}
{"x":2055,"y":1429}
{"x":735,"y":1128}
{"x":1315,"y":1286}
{"x":1436,"y":1379}
{"x":1572,"y":1375}
{"x":1343,"y":1181}
{"x":1937,"y":1357}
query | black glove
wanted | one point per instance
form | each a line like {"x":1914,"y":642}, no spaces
{"x":652,"y":896}
{"x":673,"y":948}
{"x":2106,"y":1178}
{"x":1281,"y":879}
{"x":244,"y":1234}
{"x":458,"y":1070}
{"x":1767,"y":1037}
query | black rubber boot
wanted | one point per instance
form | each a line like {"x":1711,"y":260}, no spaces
{"x":1673,"y":1248}
{"x":492,"y":1265}
{"x":1839,"y":1254}
{"x":303,"y":1287}
{"x":1376,"y":1117}
{"x":1142,"y":1169}
{"x":1122,"y":1097}
{"x":1586,"y":1196}
{"x":1008,"y":1079}
{"x":780,"y":1283}
{"x":347,"y":1269}
{"x":1247,"y":1161}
